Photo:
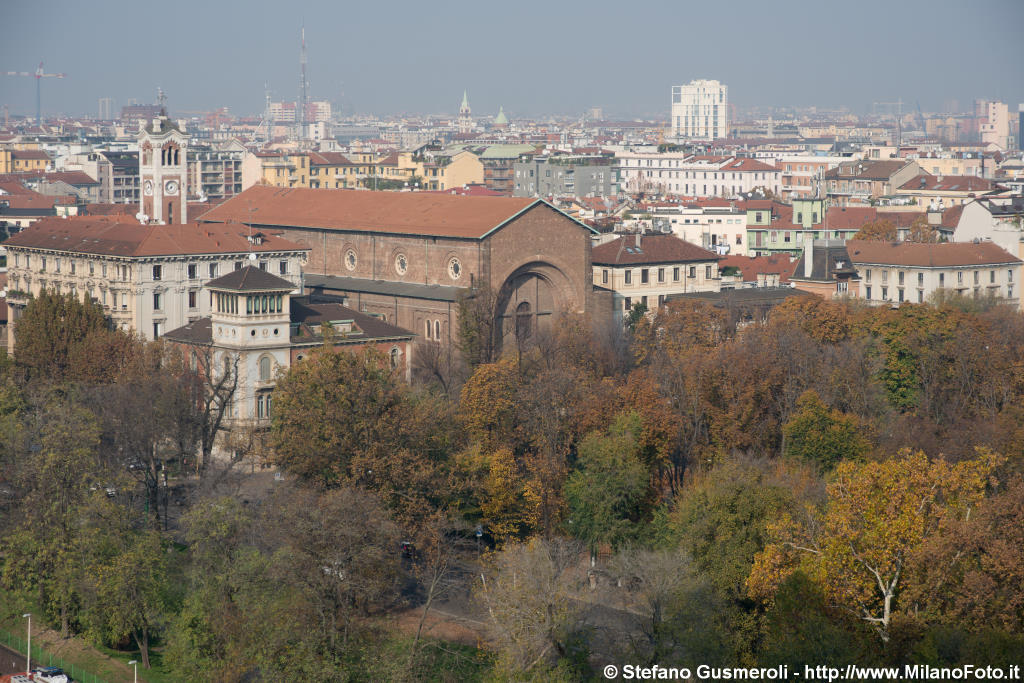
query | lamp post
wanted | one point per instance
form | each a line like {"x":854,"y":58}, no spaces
{"x":135,"y":675}
{"x":28,"y":656}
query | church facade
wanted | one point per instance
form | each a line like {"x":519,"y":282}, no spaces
{"x":406,"y":256}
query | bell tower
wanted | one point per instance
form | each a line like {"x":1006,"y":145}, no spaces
{"x":163,"y":171}
{"x":465,"y":120}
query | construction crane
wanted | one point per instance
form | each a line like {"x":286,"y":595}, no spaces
{"x":39,"y":75}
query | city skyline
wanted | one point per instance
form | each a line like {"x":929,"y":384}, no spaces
{"x":538,"y":60}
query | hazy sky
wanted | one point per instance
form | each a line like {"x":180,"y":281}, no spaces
{"x":534,"y":57}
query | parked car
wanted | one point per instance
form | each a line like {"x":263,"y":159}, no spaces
{"x":50,"y":674}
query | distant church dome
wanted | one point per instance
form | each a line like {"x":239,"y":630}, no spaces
{"x":501,"y":119}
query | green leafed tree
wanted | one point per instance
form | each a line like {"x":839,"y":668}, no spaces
{"x":822,"y":436}
{"x":607,"y":492}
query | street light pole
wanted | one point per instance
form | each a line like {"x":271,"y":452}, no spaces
{"x":135,"y":675}
{"x":28,"y":657}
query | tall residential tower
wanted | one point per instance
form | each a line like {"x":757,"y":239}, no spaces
{"x":699,"y":111}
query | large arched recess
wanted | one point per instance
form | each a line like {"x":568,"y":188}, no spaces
{"x":544,"y":289}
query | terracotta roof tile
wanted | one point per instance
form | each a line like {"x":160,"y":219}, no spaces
{"x":946,"y":254}
{"x":30,"y":155}
{"x":409,"y":213}
{"x":119,"y":237}
{"x":634,"y":249}
{"x":948,"y":183}
{"x":752,"y":266}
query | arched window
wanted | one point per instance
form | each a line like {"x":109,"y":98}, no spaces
{"x":437,"y":330}
{"x":524,"y":321}
{"x":427,"y":327}
{"x":265,"y":369}
{"x":395,"y":355}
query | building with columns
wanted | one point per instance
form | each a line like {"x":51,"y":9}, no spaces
{"x":147,"y":278}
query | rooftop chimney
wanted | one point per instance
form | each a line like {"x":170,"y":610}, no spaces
{"x":808,"y":253}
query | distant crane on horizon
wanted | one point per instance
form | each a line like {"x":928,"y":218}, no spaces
{"x":39,"y":75}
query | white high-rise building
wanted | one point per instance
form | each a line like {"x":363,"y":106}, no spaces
{"x":699,"y":111}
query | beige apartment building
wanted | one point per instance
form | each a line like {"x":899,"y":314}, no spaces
{"x":646,"y":269}
{"x":147,"y":278}
{"x":896,"y":272}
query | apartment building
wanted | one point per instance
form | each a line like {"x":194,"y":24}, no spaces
{"x":718,"y":226}
{"x":858,"y":181}
{"x":566,"y":175}
{"x":148,"y":278}
{"x":896,"y":272}
{"x":689,"y":175}
{"x":700,"y":111}
{"x":648,"y":268}
{"x":803,"y":175}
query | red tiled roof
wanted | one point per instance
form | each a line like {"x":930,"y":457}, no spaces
{"x":29,"y":201}
{"x":751,"y":266}
{"x":951,"y":216}
{"x":471,"y":190}
{"x":746,"y":164}
{"x":30,"y":154}
{"x":110,"y":209}
{"x":329,"y":159}
{"x":408,"y":213}
{"x":69,"y":177}
{"x":948,"y":183}
{"x":637,"y":250}
{"x":946,"y":254}
{"x":89,"y":235}
{"x":850,"y":217}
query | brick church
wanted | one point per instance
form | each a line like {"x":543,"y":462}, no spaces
{"x":405,"y":256}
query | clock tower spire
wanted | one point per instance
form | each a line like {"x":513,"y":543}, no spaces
{"x":162,"y":171}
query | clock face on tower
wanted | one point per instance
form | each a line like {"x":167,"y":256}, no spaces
{"x":147,"y":187}
{"x":171,"y":187}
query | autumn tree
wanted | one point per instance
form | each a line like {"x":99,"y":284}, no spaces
{"x":330,"y":409}
{"x":861,"y":546}
{"x":879,"y":229}
{"x":972,"y":575}
{"x":822,"y":320}
{"x":50,"y":328}
{"x":479,"y":330}
{"x":922,"y":231}
{"x":823,"y":436}
{"x":668,"y":613}
{"x":536,"y":624}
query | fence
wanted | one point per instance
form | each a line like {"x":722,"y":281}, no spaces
{"x":41,"y":657}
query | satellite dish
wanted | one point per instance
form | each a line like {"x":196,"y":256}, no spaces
{"x":252,"y":256}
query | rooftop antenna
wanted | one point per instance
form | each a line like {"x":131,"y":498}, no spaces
{"x":303,"y":86}
{"x":266,"y":113}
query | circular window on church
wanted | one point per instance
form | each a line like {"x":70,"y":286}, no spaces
{"x":454,"y":268}
{"x":350,"y":259}
{"x":401,"y":264}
